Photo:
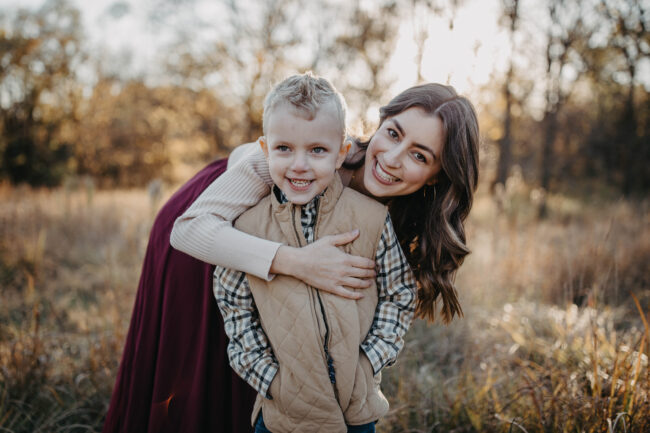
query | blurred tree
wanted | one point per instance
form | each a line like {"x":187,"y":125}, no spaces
{"x":38,"y":91}
{"x":131,"y":132}
{"x":259,"y":44}
{"x":510,"y":18}
{"x":567,"y":35}
{"x":362,"y":52}
{"x":629,"y":38}
{"x":421,"y":11}
{"x":252,"y":51}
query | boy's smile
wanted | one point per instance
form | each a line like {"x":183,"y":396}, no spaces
{"x":303,"y":153}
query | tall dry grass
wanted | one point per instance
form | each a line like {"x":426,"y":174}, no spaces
{"x":552,"y":338}
{"x":69,"y":267}
{"x":555,"y":335}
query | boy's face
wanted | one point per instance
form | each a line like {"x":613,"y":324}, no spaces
{"x":303,"y":154}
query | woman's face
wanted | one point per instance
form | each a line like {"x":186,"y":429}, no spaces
{"x":404,"y":154}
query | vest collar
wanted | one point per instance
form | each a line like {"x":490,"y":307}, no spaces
{"x":328,"y":198}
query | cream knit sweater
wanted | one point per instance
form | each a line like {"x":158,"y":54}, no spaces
{"x":205,"y":230}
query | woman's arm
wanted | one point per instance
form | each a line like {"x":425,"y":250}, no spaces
{"x":323,"y":265}
{"x":205,"y":232}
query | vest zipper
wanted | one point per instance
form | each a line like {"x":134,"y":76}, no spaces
{"x":328,"y":358}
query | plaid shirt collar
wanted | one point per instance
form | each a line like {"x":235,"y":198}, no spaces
{"x":308,"y":212}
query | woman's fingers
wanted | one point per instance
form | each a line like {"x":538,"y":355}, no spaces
{"x":343,"y":238}
{"x":356,"y":283}
{"x":346,"y":293}
{"x":327,"y":267}
{"x":353,"y":261}
{"x":363,"y":265}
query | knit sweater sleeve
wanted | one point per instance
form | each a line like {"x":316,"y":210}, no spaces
{"x":205,"y":230}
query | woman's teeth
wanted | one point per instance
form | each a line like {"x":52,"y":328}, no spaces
{"x":385,"y":176}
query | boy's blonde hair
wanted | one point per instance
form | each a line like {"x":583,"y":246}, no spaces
{"x":307,"y":93}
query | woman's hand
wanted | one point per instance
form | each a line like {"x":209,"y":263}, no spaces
{"x":323,"y":266}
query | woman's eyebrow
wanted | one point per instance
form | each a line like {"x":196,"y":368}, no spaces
{"x":418,"y":145}
{"x":398,"y":126}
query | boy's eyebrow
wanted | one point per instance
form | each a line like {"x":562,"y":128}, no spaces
{"x":418,"y":145}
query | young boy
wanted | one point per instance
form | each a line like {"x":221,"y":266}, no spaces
{"x":313,"y":357}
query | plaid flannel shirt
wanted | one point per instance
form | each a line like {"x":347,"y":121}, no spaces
{"x":249,"y":351}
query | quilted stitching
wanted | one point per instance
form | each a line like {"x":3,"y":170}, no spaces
{"x":307,"y":401}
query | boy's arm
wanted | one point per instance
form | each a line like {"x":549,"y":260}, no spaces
{"x":205,"y":231}
{"x":396,"y":287}
{"x":249,"y":351}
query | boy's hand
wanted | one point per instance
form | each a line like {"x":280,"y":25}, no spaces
{"x":324,"y":266}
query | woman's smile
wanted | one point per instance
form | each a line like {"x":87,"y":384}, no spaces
{"x":382,"y":175}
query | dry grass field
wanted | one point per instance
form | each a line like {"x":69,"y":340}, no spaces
{"x":554,"y":338}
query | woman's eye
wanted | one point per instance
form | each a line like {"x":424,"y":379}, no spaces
{"x":419,"y":156}
{"x":393,"y":133}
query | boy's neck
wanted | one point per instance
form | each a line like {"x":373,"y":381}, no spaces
{"x":282,"y":198}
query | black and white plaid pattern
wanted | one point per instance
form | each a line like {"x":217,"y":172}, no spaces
{"x":308,"y":219}
{"x":249,"y":351}
{"x":396,"y":288}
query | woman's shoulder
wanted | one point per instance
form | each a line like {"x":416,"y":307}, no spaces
{"x":244,"y":151}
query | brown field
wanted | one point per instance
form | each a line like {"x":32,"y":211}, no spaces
{"x":554,"y":338}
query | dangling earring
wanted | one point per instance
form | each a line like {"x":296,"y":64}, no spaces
{"x":424,"y":191}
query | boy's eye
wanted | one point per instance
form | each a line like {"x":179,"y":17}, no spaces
{"x":319,"y":150}
{"x":283,"y":148}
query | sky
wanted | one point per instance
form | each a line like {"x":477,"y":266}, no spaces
{"x":466,"y":56}
{"x":469,"y":50}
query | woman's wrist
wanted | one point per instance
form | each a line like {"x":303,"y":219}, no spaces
{"x":285,"y":261}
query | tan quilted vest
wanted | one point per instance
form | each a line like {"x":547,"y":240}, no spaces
{"x":304,"y":398}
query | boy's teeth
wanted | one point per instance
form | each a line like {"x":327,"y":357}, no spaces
{"x":298,"y":182}
{"x":387,"y":177}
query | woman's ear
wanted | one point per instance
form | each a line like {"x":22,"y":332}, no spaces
{"x":263,"y":145}
{"x":343,"y":152}
{"x":432,"y":181}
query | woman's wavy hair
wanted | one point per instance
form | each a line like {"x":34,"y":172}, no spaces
{"x":430,"y":222}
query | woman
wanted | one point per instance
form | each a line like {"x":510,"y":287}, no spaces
{"x":422,"y":161}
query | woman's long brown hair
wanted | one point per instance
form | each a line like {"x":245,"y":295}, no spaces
{"x":430,"y":222}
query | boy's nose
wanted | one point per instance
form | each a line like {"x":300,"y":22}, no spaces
{"x":299,"y":163}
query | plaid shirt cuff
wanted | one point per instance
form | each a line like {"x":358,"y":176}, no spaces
{"x":378,"y":352}
{"x":262,"y":375}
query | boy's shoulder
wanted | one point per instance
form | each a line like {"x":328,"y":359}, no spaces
{"x":356,"y":199}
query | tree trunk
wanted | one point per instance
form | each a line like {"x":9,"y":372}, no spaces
{"x":505,"y":143}
{"x":550,"y":132}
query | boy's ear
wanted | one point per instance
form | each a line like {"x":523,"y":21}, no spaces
{"x":343,"y":152}
{"x":263,"y":145}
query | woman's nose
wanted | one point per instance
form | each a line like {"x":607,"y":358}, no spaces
{"x":393,"y":156}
